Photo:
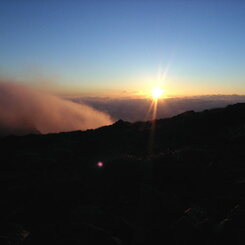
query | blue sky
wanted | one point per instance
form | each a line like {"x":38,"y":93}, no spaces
{"x":112,"y":46}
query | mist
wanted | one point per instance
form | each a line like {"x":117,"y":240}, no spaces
{"x":24,"y":110}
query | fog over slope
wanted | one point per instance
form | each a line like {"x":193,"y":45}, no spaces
{"x":24,"y":110}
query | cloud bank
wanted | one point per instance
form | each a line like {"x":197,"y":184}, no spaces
{"x":24,"y":110}
{"x":136,"y":109}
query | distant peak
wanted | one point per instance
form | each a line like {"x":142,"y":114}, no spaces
{"x":120,"y":122}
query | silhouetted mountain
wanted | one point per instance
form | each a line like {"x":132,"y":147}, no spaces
{"x":4,"y":131}
{"x":179,"y":180}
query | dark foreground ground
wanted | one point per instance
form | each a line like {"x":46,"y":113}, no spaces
{"x":174,"y":181}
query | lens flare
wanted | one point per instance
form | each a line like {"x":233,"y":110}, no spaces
{"x":100,"y":164}
{"x":156,"y":94}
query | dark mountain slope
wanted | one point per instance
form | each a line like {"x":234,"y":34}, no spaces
{"x":177,"y":181}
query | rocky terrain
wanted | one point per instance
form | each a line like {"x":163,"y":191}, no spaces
{"x":171,"y":181}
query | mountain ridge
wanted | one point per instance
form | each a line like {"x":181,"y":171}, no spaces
{"x":176,"y":180}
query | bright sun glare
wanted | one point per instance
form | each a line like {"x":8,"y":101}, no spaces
{"x":156,"y":93}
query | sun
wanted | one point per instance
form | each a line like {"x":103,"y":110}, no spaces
{"x":156,"y":93}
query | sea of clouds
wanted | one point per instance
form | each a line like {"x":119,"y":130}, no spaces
{"x":25,"y":110}
{"x":132,"y":110}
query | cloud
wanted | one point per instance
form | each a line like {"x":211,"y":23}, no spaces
{"x":24,"y":110}
{"x":136,"y":109}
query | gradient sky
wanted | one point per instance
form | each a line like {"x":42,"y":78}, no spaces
{"x":124,"y":47}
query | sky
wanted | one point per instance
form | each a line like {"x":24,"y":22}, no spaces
{"x":124,"y":48}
